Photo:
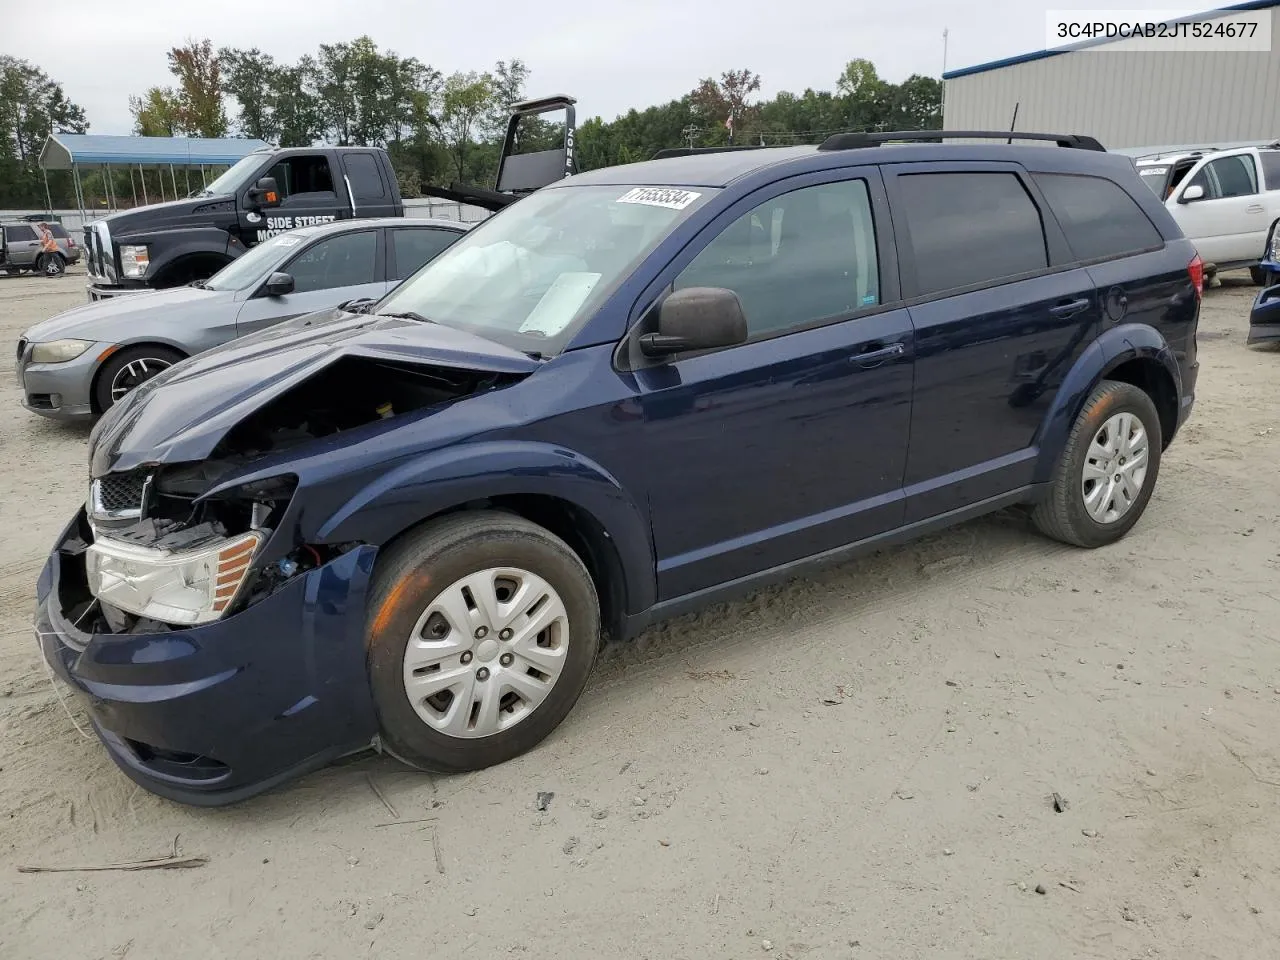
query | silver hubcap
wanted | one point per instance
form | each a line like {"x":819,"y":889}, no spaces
{"x":134,"y":373}
{"x":1115,"y":468}
{"x":486,"y":652}
{"x":52,"y":267}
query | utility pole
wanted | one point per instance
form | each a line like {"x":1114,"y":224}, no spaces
{"x":943,"y":105}
{"x":690,"y":132}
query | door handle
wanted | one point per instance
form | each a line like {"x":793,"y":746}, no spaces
{"x":1070,"y":308}
{"x":1255,"y":208}
{"x":874,"y":354}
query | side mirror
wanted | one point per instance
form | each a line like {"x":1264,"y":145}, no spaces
{"x":264,"y":193}
{"x":696,"y":318}
{"x":1194,"y":192}
{"x":278,"y":284}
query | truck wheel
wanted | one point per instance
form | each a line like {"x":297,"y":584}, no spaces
{"x":127,"y":369}
{"x":1104,"y":479}
{"x":482,"y":631}
{"x":52,"y":264}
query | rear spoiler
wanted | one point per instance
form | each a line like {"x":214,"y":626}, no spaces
{"x":520,"y":174}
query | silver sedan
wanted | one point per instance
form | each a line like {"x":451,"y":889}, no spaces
{"x":78,"y":363}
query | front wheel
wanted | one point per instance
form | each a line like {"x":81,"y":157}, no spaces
{"x":482,"y":631}
{"x":1107,"y":471}
{"x":129,"y":368}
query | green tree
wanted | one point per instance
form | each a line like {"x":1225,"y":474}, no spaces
{"x":32,"y":106}
{"x":467,"y":100}
{"x":248,"y":77}
{"x":157,"y":113}
{"x":199,"y":75}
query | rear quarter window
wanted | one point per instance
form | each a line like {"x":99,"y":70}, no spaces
{"x":58,"y":230}
{"x":1099,"y":219}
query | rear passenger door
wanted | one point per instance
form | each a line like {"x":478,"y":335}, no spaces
{"x":366,"y":184}
{"x":1000,"y":315}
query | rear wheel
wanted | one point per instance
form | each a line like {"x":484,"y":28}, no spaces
{"x":483,"y":629}
{"x":129,"y":368}
{"x":52,"y":264}
{"x":1108,"y":469}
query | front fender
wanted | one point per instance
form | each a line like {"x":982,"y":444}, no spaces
{"x":447,"y":478}
{"x":1130,"y":341}
{"x":169,"y":246}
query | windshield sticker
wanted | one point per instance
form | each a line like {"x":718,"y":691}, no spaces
{"x":287,"y":241}
{"x":559,"y":304}
{"x":1153,"y":171}
{"x":660,"y":197}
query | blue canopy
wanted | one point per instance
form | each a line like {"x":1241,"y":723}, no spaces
{"x":62,"y":150}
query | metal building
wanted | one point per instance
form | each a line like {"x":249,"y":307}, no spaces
{"x":1128,"y":97}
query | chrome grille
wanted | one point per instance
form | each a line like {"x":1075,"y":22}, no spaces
{"x":118,"y":495}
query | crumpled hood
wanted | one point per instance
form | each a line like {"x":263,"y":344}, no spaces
{"x":181,"y":414}
{"x":104,"y":319}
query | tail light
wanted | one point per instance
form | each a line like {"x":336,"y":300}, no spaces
{"x":1196,"y":271}
{"x":71,"y":242}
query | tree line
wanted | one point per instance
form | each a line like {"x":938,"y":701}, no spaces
{"x":438,"y":129}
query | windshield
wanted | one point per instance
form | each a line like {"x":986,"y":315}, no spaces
{"x":1154,"y":178}
{"x":233,"y":179}
{"x":532,"y":275}
{"x":255,"y":264}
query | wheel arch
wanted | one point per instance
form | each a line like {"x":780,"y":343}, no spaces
{"x":566,"y":493}
{"x":1132,"y":353}
{"x":120,"y":348}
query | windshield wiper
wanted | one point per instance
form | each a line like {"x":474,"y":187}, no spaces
{"x":407,"y":315}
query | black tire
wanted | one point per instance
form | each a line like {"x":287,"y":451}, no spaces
{"x":412,"y":572}
{"x":51,"y":264}
{"x":1062,"y":514}
{"x":153,"y":357}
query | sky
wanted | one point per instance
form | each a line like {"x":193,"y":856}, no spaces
{"x":610,"y":55}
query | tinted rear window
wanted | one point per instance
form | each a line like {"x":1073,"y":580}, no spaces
{"x":366,"y":184}
{"x":969,"y":228}
{"x":58,"y":230}
{"x":1098,"y":217}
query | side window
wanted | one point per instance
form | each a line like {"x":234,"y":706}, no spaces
{"x":416,"y":247}
{"x":796,"y":258}
{"x":970,"y":228}
{"x":58,"y":230}
{"x":1271,"y":168}
{"x":1098,"y":217}
{"x":342,"y":261}
{"x":1236,"y":176}
{"x":362,"y":171}
{"x":304,"y":174}
{"x":19,"y":234}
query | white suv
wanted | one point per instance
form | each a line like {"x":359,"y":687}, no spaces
{"x":1224,"y":200}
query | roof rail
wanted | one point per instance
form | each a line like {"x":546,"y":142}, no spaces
{"x":669,"y":152}
{"x":856,"y":141}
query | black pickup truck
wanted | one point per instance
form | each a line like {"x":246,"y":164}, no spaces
{"x":273,"y":190}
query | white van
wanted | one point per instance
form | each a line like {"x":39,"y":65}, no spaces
{"x":1224,"y":200}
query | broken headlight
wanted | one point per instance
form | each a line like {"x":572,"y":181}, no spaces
{"x":189,"y":586}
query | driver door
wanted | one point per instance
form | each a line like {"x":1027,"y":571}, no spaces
{"x":326,"y":272}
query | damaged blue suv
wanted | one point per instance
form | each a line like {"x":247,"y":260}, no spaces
{"x":409,"y":525}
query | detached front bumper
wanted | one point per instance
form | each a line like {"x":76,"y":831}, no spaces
{"x":1264,"y":318}
{"x":214,"y":714}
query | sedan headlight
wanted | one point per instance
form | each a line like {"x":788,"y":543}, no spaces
{"x":134,"y":260}
{"x":172,"y":586}
{"x":58,"y":351}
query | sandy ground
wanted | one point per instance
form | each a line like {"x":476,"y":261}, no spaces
{"x":855,"y":766}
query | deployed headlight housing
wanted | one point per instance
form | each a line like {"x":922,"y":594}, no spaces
{"x":134,"y":260}
{"x":173,"y":586}
{"x":58,"y":351}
